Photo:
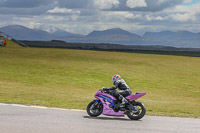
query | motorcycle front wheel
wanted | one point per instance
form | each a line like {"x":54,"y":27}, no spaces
{"x":141,"y":111}
{"x":94,"y":108}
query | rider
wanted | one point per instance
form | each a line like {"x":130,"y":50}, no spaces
{"x":123,"y":89}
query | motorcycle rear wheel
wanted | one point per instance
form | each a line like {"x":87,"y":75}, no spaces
{"x":138,"y":115}
{"x":94,"y":109}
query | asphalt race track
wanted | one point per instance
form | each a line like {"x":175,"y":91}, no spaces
{"x":24,"y":119}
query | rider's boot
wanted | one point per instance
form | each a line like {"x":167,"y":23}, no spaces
{"x":124,"y":101}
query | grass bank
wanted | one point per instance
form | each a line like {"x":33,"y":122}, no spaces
{"x":69,"y":78}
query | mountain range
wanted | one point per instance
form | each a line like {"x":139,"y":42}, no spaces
{"x":112,"y":36}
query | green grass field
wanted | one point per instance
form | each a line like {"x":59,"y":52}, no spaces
{"x":69,"y":78}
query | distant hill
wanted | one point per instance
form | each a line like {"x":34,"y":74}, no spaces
{"x":170,"y":35}
{"x":170,"y":38}
{"x":63,"y":33}
{"x":113,"y":32}
{"x":115,"y":35}
{"x":112,"y":36}
{"x":23,"y":33}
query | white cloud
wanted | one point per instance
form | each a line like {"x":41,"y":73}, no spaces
{"x":136,"y":3}
{"x":161,"y":1}
{"x":152,"y":18}
{"x":182,"y":13}
{"x":106,"y":4}
{"x":187,"y":1}
{"x":63,"y":10}
{"x":182,"y":17}
{"x":159,"y":18}
{"x":84,"y":16}
{"x":189,"y":9}
{"x":148,"y":18}
{"x":120,"y":17}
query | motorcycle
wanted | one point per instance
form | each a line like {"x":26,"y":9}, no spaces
{"x":108,"y":105}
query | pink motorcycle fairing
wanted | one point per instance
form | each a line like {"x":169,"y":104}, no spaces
{"x":135,"y":97}
{"x":106,"y":100}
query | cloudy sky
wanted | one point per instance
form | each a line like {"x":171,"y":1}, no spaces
{"x":84,"y":16}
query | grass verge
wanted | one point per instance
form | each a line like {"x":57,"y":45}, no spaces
{"x":69,"y":78}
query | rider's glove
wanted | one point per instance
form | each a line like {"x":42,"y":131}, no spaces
{"x":104,"y":89}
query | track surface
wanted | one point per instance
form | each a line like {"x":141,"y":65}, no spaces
{"x":23,"y":119}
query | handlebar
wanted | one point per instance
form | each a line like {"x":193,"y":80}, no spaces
{"x":104,"y":91}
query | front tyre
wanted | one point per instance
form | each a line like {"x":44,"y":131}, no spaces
{"x":136,"y":115}
{"x":95,"y":108}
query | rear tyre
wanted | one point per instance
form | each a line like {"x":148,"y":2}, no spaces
{"x":141,"y":111}
{"x":94,"y":108}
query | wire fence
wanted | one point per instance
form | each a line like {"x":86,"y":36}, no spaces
{"x":2,"y":34}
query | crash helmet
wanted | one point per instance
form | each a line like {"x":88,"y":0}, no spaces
{"x":115,"y":78}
